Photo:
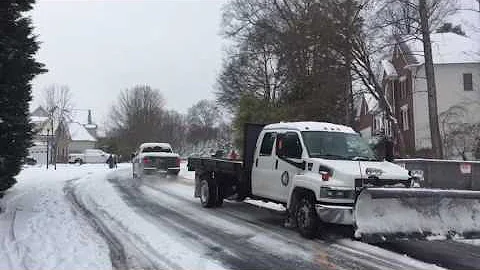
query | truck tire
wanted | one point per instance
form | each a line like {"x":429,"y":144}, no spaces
{"x":208,"y":193}
{"x":306,"y":217}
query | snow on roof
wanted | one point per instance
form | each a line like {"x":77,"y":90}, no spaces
{"x":447,"y":48}
{"x":388,"y":68}
{"x":311,"y":126}
{"x":38,"y":119}
{"x":163,"y":145}
{"x":90,"y":126}
{"x":79,"y":133}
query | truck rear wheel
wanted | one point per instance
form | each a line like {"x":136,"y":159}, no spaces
{"x":306,"y":217}
{"x":208,"y":193}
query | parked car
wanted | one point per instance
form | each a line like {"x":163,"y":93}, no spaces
{"x":89,"y":156}
{"x":153,"y":158}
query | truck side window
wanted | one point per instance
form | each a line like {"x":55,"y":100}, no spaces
{"x":267,"y":144}
{"x":288,"y":145}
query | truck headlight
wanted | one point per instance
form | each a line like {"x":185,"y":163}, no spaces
{"x":336,"y":193}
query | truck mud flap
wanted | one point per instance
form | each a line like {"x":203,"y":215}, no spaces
{"x":386,"y":214}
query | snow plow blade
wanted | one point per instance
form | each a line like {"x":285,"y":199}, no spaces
{"x":387,"y":214}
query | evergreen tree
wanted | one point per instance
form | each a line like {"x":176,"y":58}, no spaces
{"x":18,"y":67}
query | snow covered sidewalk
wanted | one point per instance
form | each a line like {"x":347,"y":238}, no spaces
{"x":39,"y":228}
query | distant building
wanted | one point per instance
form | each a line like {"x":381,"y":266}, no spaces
{"x":72,"y":136}
{"x":83,"y":131}
{"x":48,"y":133}
{"x":457,"y":71}
{"x":80,"y":138}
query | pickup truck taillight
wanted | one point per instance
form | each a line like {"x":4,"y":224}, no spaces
{"x":325,"y":172}
{"x":146,"y":160}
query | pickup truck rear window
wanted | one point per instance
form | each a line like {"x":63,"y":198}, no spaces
{"x":156,"y":149}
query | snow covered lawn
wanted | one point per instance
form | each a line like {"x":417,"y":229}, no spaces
{"x":39,"y":228}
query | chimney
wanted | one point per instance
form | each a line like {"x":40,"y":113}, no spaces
{"x":89,"y":117}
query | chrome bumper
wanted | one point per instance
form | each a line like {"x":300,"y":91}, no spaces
{"x":335,"y":213}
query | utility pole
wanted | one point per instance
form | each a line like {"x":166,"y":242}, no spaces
{"x":436,"y":140}
{"x":48,"y":131}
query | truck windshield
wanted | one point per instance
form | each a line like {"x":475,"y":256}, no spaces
{"x":337,"y":145}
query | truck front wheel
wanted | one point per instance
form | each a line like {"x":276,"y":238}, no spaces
{"x":306,"y":217}
{"x":208,"y":196}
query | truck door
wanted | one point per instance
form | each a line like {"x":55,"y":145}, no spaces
{"x":288,"y":163}
{"x":262,"y":168}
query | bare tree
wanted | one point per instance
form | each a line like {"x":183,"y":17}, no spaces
{"x":136,"y":117}
{"x":424,"y":11}
{"x":58,"y":102}
{"x":203,"y":118}
{"x":460,"y":129}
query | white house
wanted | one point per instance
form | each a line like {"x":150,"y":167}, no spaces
{"x":82,"y":130}
{"x":457,"y":75}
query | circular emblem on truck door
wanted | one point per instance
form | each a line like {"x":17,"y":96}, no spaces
{"x":285,"y":178}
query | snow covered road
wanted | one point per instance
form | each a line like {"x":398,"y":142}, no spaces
{"x":161,"y":218}
{"x":89,"y":217}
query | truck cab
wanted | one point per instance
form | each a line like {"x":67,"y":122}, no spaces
{"x":320,"y":167}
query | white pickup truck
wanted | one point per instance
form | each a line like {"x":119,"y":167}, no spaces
{"x":323,"y":173}
{"x":153,"y":158}
{"x":89,"y":156}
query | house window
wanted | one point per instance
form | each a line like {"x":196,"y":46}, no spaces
{"x":388,"y":128}
{"x":405,"y":123}
{"x":467,"y":82}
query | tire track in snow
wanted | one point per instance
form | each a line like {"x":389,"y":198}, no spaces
{"x":117,"y":252}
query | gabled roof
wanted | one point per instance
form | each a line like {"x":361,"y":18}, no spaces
{"x":447,"y":48}
{"x":39,"y":112}
{"x":79,"y":133}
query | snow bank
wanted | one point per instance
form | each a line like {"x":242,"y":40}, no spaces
{"x":39,"y":229}
{"x":432,"y":212}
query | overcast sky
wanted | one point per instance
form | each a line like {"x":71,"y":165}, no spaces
{"x":98,"y":48}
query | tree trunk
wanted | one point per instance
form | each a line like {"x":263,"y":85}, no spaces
{"x":437,"y":149}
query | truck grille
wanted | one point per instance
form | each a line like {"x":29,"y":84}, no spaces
{"x":378,"y":182}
